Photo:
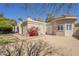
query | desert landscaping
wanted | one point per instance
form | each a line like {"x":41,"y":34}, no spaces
{"x":50,"y":45}
{"x":66,"y":45}
{"x":49,"y":29}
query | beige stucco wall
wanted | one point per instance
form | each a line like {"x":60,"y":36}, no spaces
{"x":20,"y":28}
{"x":60,"y":33}
{"x":53,"y":27}
{"x":49,"y":29}
{"x":41,"y":25}
{"x":42,"y":28}
{"x":69,"y":32}
{"x":24,"y":30}
{"x":66,"y":32}
{"x":30,"y":23}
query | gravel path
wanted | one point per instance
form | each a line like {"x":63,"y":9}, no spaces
{"x":70,"y":45}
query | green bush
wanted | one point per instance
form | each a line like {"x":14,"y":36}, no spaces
{"x":6,"y":25}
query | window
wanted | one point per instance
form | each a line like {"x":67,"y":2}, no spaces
{"x":69,"y":27}
{"x":60,"y":27}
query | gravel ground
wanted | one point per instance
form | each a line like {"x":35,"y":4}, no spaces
{"x":69,"y":45}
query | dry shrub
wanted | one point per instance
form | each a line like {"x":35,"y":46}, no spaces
{"x":29,"y":48}
{"x":41,"y":48}
{"x":34,"y":48}
{"x":13,"y":49}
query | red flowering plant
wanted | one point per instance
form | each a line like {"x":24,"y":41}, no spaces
{"x":33,"y":31}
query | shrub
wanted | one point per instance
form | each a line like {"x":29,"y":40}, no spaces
{"x":29,"y":48}
{"x":33,"y":31}
{"x":37,"y":48}
{"x":6,"y":25}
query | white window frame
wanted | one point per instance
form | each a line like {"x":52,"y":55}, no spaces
{"x":68,"y":26}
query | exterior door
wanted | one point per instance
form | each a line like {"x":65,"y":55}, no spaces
{"x":68,"y":29}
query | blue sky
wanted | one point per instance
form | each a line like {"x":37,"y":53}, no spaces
{"x":33,"y":10}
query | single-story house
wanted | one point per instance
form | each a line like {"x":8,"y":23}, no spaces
{"x":28,"y":23}
{"x":63,"y":25}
